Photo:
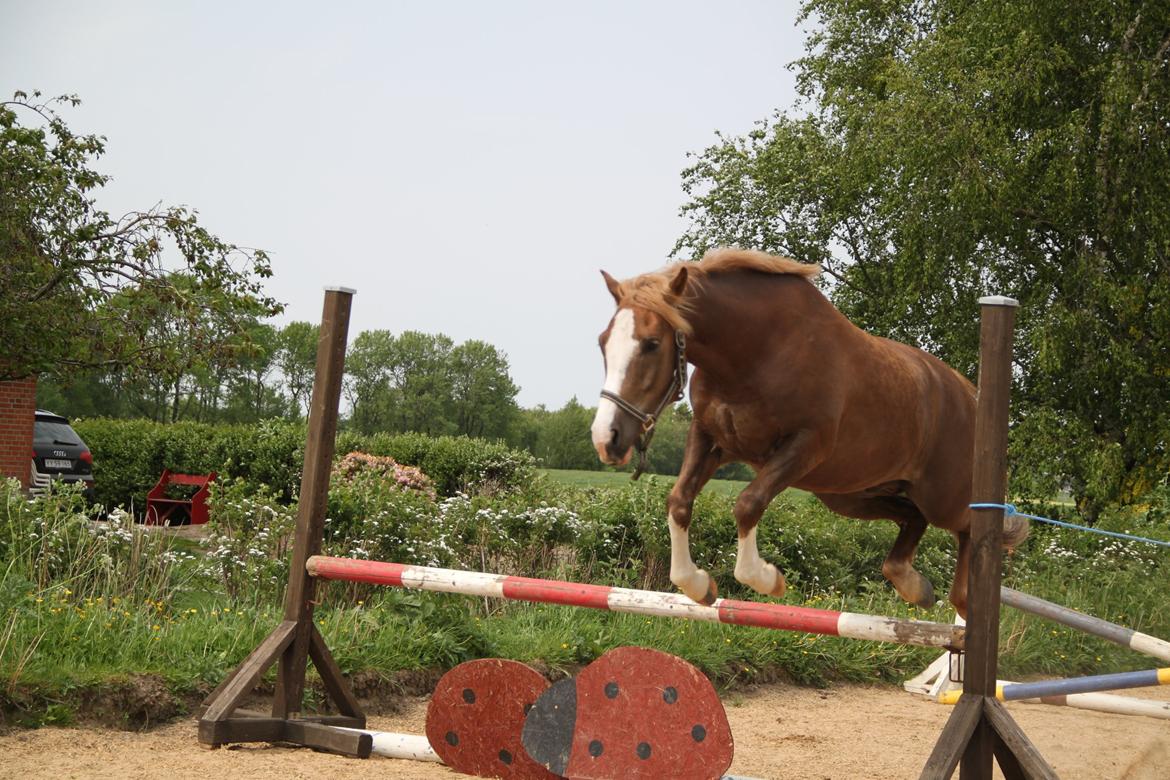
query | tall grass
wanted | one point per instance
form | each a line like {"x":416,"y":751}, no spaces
{"x":85,"y":601}
{"x":54,"y":543}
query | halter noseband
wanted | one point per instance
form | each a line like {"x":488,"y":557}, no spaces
{"x":673,"y":393}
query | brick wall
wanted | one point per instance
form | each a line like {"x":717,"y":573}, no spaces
{"x":18,"y":402}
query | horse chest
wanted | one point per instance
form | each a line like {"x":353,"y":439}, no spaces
{"x":736,"y":429}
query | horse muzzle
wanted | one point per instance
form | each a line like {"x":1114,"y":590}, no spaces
{"x":611,"y":452}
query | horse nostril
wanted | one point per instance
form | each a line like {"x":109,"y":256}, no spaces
{"x":613,"y":437}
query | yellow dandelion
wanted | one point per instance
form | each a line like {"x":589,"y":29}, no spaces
{"x":155,"y":627}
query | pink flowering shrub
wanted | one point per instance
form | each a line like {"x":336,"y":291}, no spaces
{"x":356,"y":465}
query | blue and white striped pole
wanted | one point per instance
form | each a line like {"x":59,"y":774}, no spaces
{"x":1073,"y":685}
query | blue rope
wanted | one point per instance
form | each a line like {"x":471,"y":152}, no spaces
{"x":1010,"y":509}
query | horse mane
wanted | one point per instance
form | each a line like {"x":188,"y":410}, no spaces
{"x":652,"y":290}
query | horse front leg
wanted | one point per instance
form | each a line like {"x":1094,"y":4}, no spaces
{"x":700,"y":460}
{"x":792,"y":459}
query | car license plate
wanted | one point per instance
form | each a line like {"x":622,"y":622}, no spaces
{"x":50,"y":463}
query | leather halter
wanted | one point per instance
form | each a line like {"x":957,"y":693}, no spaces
{"x":678,"y":383}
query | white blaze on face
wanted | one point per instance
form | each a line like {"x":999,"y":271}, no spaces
{"x":619,"y":351}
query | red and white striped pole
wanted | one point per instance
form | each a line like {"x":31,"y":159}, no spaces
{"x":641,"y":602}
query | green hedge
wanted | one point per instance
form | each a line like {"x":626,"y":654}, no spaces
{"x":129,"y":456}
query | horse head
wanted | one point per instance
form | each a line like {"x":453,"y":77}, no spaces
{"x":645,"y":371}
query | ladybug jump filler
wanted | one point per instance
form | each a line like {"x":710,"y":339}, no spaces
{"x":632,"y":713}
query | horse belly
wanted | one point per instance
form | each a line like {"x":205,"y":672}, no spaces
{"x":854,"y":475}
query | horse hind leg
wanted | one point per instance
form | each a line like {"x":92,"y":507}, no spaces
{"x":958,"y":595}
{"x":898,"y":566}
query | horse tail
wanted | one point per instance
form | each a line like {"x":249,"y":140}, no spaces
{"x":1015,"y":531}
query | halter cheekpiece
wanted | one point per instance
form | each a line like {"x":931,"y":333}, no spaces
{"x":674,"y":393}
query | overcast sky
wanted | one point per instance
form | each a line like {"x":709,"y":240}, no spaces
{"x":466,"y":166}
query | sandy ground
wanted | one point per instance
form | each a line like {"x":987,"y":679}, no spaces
{"x":780,"y":732}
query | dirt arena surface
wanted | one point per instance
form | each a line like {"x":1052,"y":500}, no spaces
{"x":781,"y":732}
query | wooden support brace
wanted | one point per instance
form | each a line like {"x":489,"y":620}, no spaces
{"x":228,"y":696}
{"x":952,"y":742}
{"x":1012,"y":741}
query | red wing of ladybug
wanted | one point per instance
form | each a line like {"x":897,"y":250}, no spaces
{"x":632,"y":713}
{"x":476,"y":715}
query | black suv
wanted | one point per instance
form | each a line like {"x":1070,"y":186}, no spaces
{"x":59,"y":454}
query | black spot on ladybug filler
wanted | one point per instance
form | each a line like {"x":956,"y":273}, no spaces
{"x":476,"y":715}
{"x":633,"y":713}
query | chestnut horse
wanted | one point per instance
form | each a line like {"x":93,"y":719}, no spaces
{"x":785,"y":383}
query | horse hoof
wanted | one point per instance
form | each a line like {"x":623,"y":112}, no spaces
{"x":712,"y":592}
{"x":926,"y":597}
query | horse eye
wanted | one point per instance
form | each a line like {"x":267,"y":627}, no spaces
{"x":649,"y":345}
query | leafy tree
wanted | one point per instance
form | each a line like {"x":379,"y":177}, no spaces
{"x":483,"y":395}
{"x":368,"y":387}
{"x":84,"y":394}
{"x":424,"y":383}
{"x":197,"y":352}
{"x":297,"y":361}
{"x":563,"y":440}
{"x":421,"y":376}
{"x":954,"y":149}
{"x":252,"y":394}
{"x":64,"y":261}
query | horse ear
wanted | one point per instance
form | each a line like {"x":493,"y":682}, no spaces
{"x":679,"y":282}
{"x":615,"y":287}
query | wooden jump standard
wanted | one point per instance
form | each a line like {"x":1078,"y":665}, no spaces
{"x":296,"y":640}
{"x":641,"y":602}
{"x":978,"y":728}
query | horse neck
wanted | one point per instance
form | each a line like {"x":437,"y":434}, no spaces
{"x":734,"y":316}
